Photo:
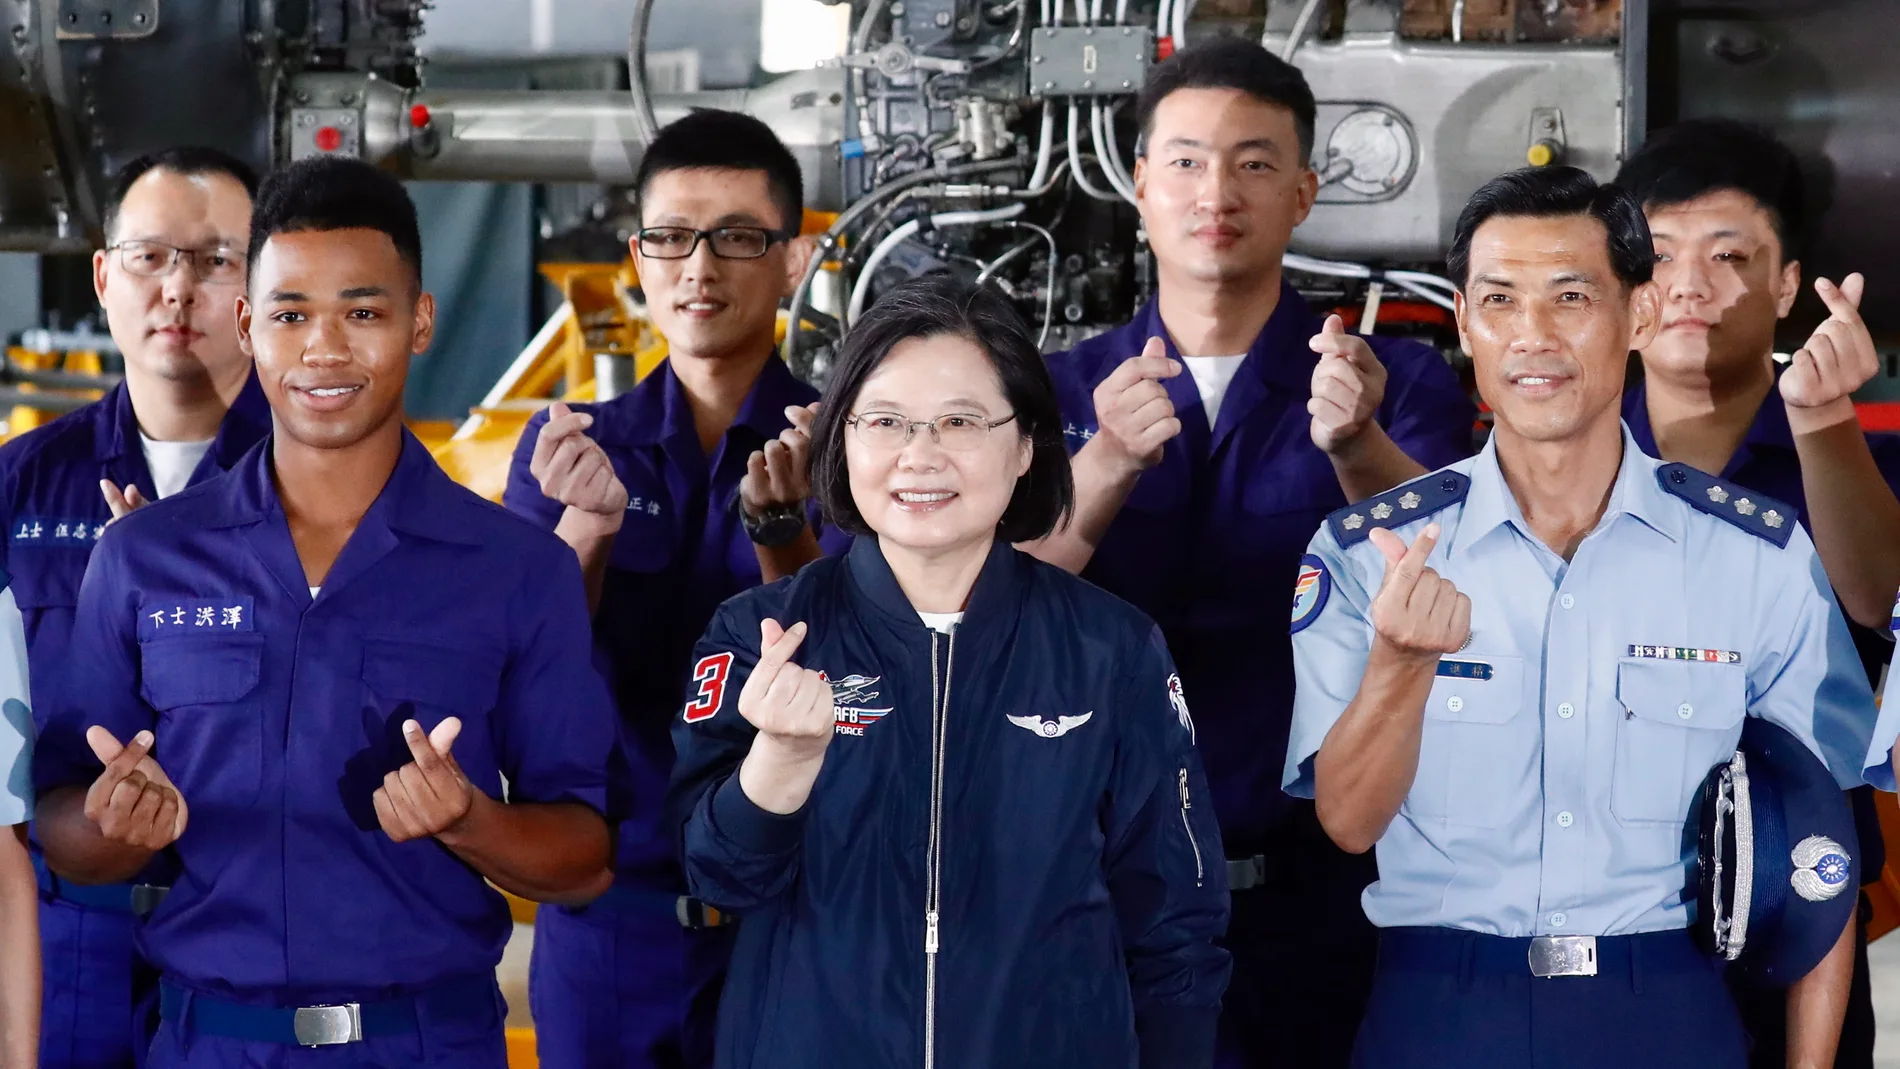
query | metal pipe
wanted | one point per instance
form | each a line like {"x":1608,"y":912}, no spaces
{"x":594,"y":136}
{"x":645,"y":122}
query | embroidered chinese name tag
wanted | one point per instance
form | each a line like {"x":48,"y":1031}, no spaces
{"x":1686,"y":653}
{"x":1464,"y":669}
{"x":42,"y":531}
{"x":166,"y":617}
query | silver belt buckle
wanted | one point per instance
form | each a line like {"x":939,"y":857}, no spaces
{"x":327,"y":1026}
{"x":1564,"y":955}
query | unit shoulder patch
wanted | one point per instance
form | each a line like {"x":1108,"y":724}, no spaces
{"x":1398,"y":506}
{"x":1758,"y":514}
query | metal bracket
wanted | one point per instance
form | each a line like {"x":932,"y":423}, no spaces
{"x":91,"y":20}
{"x":1089,"y":60}
{"x":894,"y":60}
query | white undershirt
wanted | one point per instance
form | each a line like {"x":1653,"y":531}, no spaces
{"x":1211,"y":376}
{"x":172,"y":463}
{"x":941,"y":622}
{"x":314,"y":591}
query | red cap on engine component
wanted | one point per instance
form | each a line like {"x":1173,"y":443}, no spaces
{"x":1164,"y":47}
{"x":329,"y":139}
{"x":419,"y":116}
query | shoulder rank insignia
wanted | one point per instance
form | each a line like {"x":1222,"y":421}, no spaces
{"x":1399,"y":506}
{"x":1759,"y":515}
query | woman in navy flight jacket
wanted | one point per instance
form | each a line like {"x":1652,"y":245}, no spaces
{"x":950,"y":791}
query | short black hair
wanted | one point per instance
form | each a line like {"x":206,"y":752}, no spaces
{"x":1552,"y":192}
{"x":930,"y":307}
{"x":1230,"y":63}
{"x":336,"y":193}
{"x":726,"y":140}
{"x":187,"y":160}
{"x":1701,"y":156}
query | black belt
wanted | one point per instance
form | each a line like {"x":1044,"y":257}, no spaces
{"x":323,"y":1026}
{"x":690,"y":912}
{"x":136,"y":899}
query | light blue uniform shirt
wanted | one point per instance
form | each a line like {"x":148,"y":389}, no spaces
{"x":1563,"y":746}
{"x":16,"y":719}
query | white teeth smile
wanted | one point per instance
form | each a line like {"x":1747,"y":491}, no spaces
{"x":1532,"y":380}
{"x":915,"y":498}
{"x":700,"y":306}
{"x":334,"y":391}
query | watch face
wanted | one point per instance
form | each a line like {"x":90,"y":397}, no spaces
{"x":777,"y":527}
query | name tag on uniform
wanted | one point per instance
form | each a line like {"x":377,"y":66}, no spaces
{"x":1464,"y":669}
{"x":1686,"y":653}
{"x":42,"y":531}
{"x":165,"y":617}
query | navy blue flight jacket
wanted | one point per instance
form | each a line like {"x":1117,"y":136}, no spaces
{"x":1008,"y":859}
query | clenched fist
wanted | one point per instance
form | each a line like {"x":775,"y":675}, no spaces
{"x":133,"y":802}
{"x":789,"y":704}
{"x":1417,"y":613}
{"x":1134,"y":416}
{"x":1838,"y":359}
{"x":1348,"y":386}
{"x":780,"y":473}
{"x":574,"y":470}
{"x":429,"y":795}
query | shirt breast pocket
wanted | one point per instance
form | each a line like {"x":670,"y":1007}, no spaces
{"x":430,"y":683}
{"x":1680,"y":718}
{"x":210,"y":735}
{"x":1471,"y":756}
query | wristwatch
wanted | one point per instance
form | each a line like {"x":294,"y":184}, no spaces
{"x":777,"y":525}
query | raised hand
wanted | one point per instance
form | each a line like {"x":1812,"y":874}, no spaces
{"x":1417,"y":613}
{"x":574,"y":470}
{"x":133,"y":802}
{"x":1348,"y":385}
{"x":430,"y":795}
{"x":780,"y":473}
{"x":1839,"y":356}
{"x":1133,"y":414}
{"x":789,"y":704}
{"x":119,"y":502}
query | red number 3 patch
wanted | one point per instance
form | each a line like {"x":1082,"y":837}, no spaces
{"x":710,"y":673}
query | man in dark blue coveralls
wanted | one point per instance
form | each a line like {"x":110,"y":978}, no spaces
{"x":1727,"y":215}
{"x":169,"y":279}
{"x":675,"y":496}
{"x":311,"y":678}
{"x":1197,"y":493}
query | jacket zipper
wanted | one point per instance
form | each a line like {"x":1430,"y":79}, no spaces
{"x":1199,"y":871}
{"x":933,"y":877}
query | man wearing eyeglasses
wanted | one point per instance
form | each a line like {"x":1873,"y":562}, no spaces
{"x":176,"y":227}
{"x":677,"y":495}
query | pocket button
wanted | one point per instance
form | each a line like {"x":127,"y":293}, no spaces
{"x":1454,"y":703}
{"x":1685,"y":710}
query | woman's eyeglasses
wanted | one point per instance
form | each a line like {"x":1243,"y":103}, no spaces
{"x":958,"y":432}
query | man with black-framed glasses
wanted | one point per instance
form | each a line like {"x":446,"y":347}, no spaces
{"x":168,"y":280}
{"x":676,"y":495}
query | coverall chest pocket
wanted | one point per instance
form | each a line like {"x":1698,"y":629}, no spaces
{"x":1470,"y":756}
{"x":210,"y":731}
{"x":428,"y":683}
{"x":1680,"y":718}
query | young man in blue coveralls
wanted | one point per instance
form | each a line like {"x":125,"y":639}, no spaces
{"x":1196,"y":494}
{"x":675,"y":496}
{"x":309,"y":680}
{"x":1725,"y":207}
{"x":168,"y":281}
